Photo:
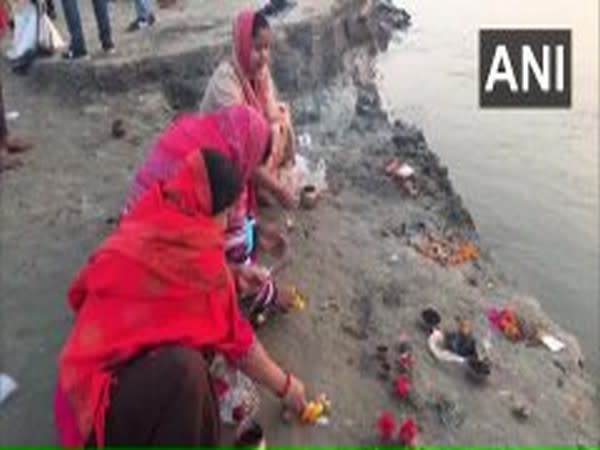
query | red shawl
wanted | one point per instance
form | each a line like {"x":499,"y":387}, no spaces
{"x":4,"y":19}
{"x":159,"y":279}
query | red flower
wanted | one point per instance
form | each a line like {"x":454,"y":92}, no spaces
{"x":402,"y":385}
{"x":386,"y":425}
{"x":406,"y":361}
{"x":408,"y":432}
{"x":238,"y":413}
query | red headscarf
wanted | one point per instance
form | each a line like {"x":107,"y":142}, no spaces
{"x":4,"y":19}
{"x":159,"y":279}
{"x":239,"y":132}
{"x":255,"y":87}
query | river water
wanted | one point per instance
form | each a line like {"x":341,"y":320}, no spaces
{"x":529,"y":177}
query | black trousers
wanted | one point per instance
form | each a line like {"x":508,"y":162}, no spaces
{"x":3,"y":127}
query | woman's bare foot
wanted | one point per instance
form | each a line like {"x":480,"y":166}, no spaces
{"x":15,"y":144}
{"x":9,"y":164}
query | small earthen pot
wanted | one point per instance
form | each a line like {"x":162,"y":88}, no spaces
{"x":309,"y":197}
{"x":478,"y":370}
{"x":118,"y":130}
{"x":430,"y":319}
{"x":252,"y":438}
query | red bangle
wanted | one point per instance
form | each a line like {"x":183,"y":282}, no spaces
{"x":286,"y":387}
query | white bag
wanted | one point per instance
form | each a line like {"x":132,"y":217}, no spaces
{"x":50,"y":38}
{"x":26,"y":33}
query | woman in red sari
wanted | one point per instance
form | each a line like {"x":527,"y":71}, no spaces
{"x":152,"y":305}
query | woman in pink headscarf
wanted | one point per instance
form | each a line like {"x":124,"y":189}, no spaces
{"x":245,"y":78}
{"x":242,"y":134}
{"x":238,"y":132}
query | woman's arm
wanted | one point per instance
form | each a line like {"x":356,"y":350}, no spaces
{"x":264,"y":179}
{"x":248,"y":278}
{"x":259,"y":366}
{"x":272,"y":107}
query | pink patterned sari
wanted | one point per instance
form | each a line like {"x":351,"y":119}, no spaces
{"x":239,"y":132}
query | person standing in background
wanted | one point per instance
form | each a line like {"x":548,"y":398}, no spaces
{"x":144,"y":16}
{"x":77,"y":47}
{"x":9,"y":143}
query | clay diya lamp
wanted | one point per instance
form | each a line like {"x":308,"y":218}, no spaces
{"x":385,"y":367}
{"x":478,"y":370}
{"x":382,"y":351}
{"x":252,"y":437}
{"x":430,"y":319}
{"x":118,"y":129}
{"x":309,"y":196}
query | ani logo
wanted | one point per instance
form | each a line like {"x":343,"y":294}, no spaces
{"x":525,"y":68}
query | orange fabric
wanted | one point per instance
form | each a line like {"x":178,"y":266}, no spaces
{"x":160,"y":278}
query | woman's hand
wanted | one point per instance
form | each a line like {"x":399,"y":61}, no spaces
{"x":285,"y":298}
{"x":288,"y":137}
{"x":250,"y":278}
{"x":259,"y":366}
{"x":284,"y":111}
{"x":296,"y":395}
{"x":272,"y":240}
{"x":286,"y":198}
{"x":264,"y":179}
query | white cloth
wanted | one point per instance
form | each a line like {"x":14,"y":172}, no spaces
{"x":26,"y":36}
{"x":241,"y":392}
{"x":260,"y":4}
{"x":436,"y":346}
{"x":50,"y":38}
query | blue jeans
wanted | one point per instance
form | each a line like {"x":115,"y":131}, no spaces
{"x":143,"y":10}
{"x":73,"y":20}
